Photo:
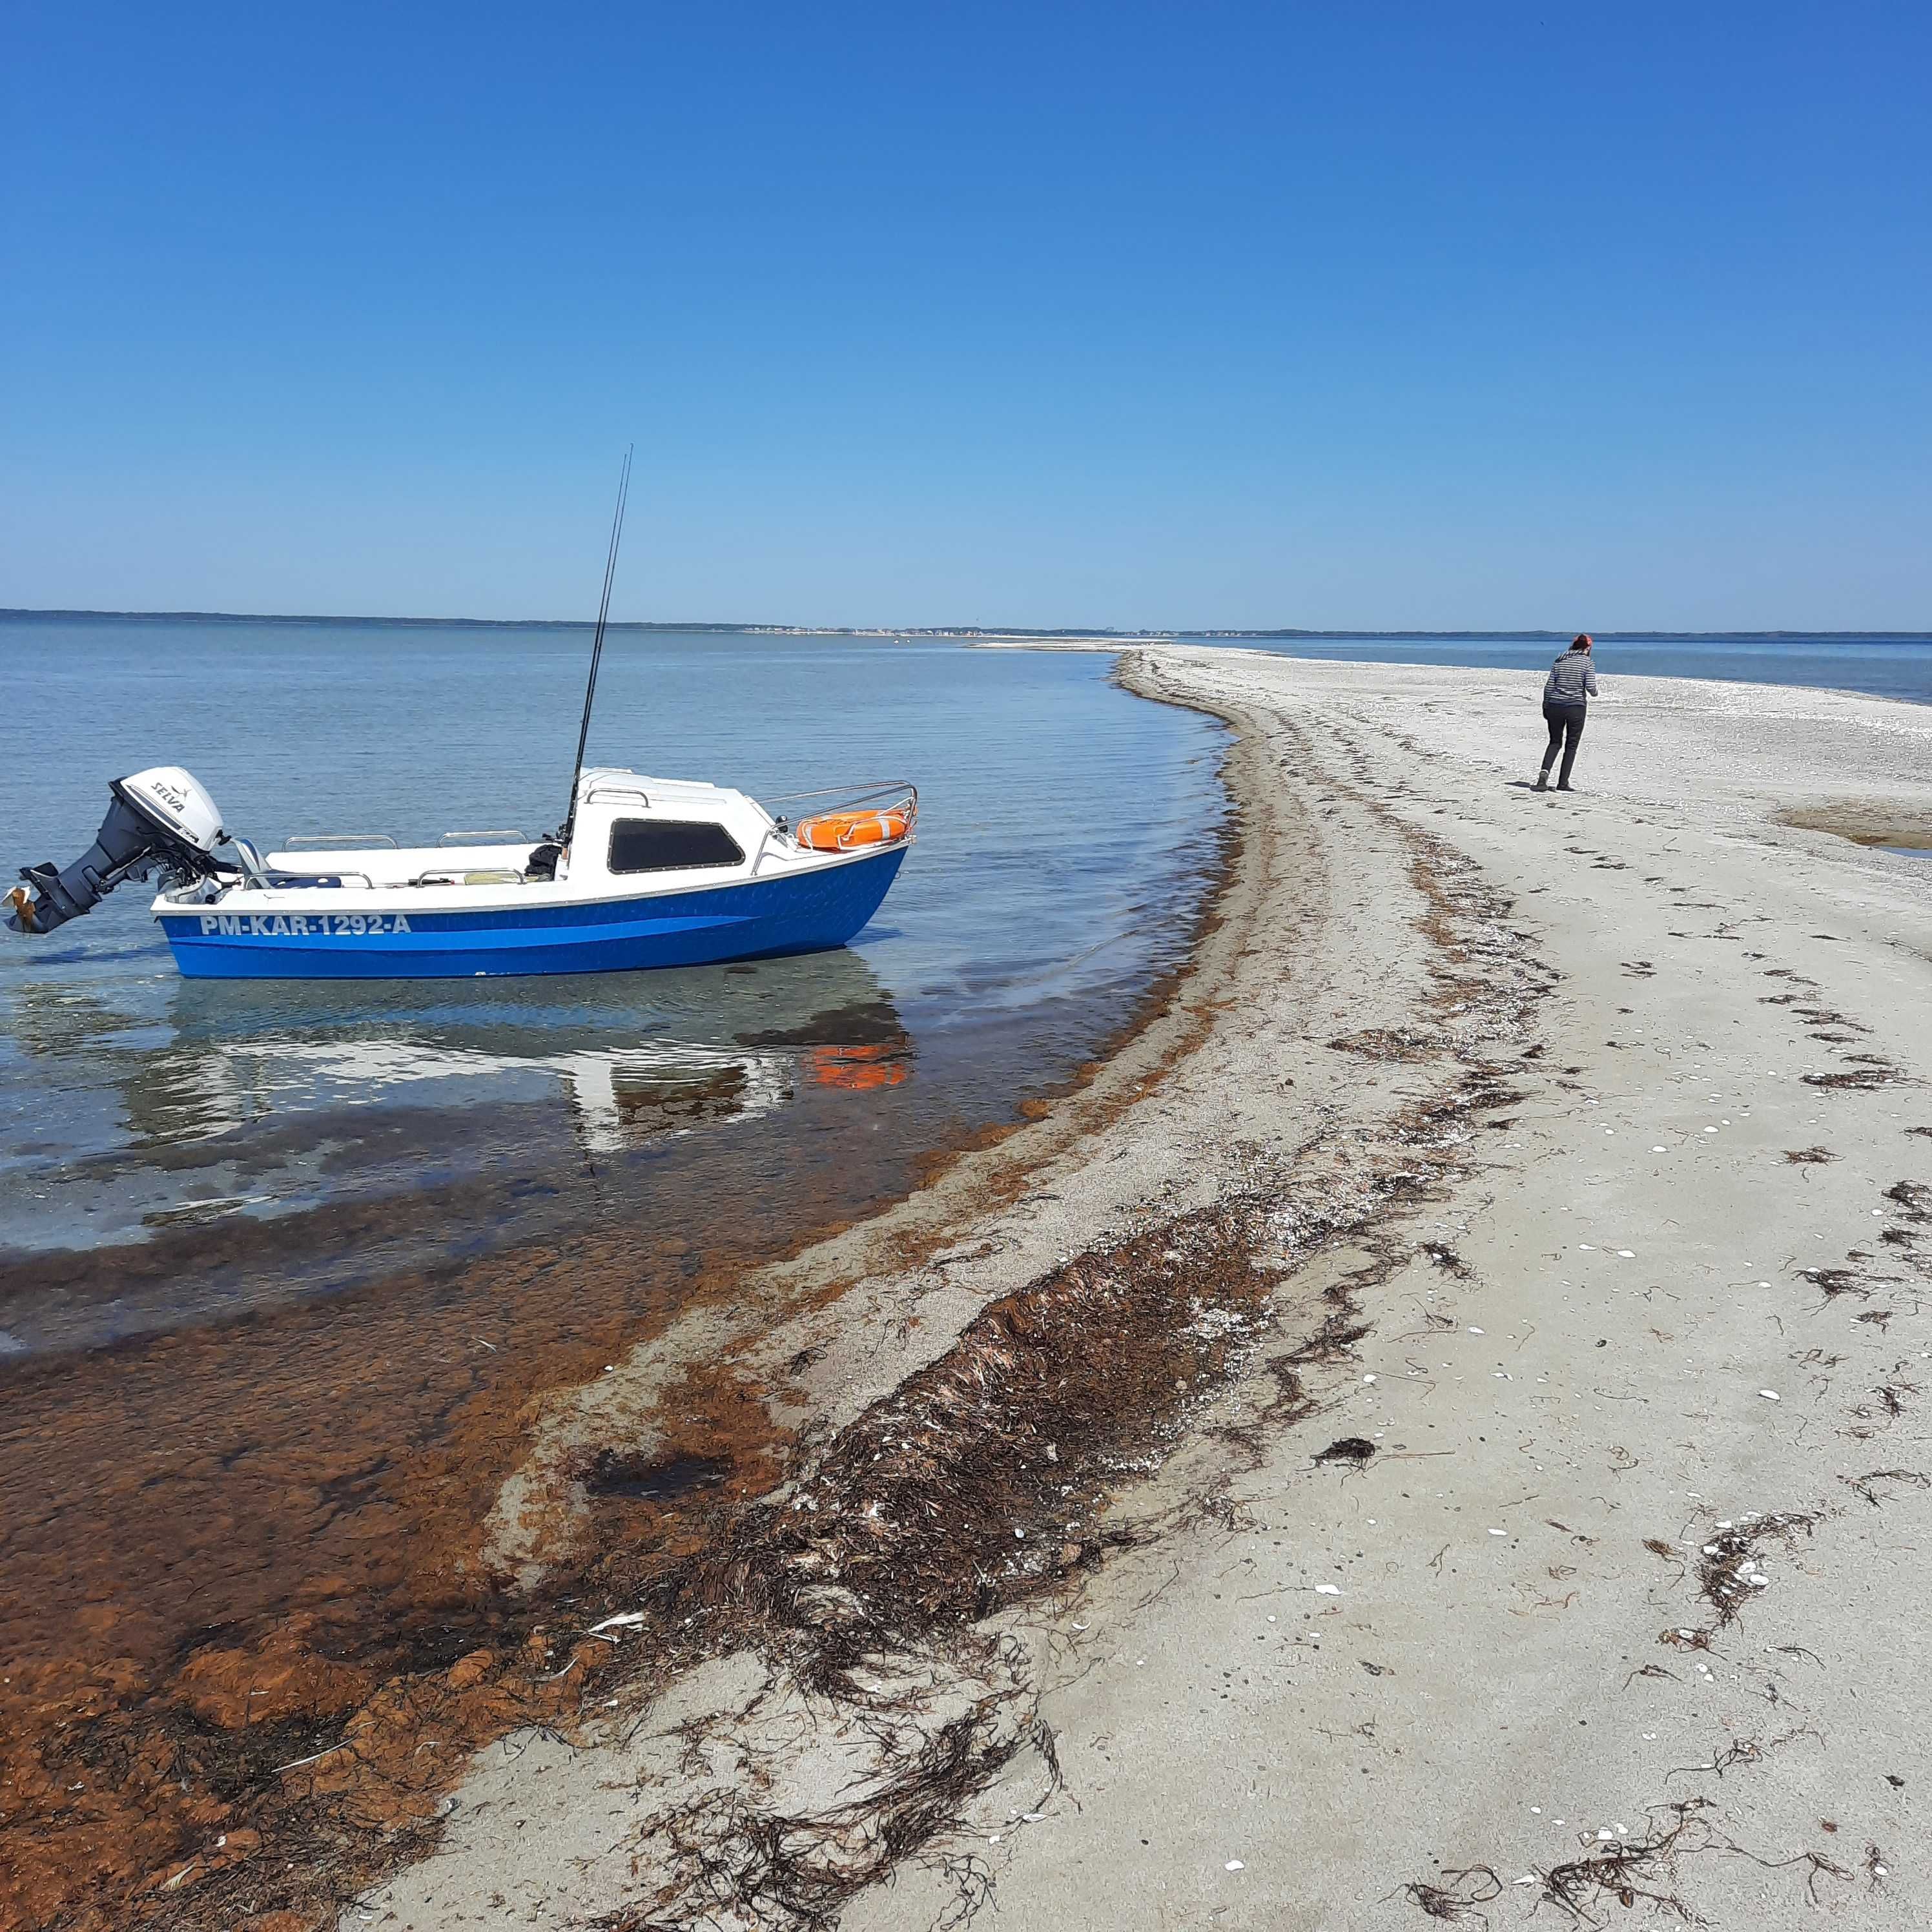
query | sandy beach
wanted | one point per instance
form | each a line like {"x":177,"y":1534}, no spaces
{"x":1526,"y":1200}
{"x":1434,"y":1428}
{"x":1542,"y":1182}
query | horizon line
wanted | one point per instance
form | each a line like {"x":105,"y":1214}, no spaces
{"x":9,"y":613}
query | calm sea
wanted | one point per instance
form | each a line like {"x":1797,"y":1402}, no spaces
{"x":1898,"y":665}
{"x":174,"y":1151}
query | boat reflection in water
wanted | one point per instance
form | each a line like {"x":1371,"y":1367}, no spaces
{"x":634,"y":1058}
{"x":267,"y":1138}
{"x":618,"y":1095}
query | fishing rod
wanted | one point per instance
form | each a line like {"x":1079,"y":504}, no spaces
{"x":597,"y":642}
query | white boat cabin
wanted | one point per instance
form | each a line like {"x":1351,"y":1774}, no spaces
{"x":633,"y":836}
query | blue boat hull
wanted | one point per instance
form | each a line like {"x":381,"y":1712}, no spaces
{"x":810,"y":912}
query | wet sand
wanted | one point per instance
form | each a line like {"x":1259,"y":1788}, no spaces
{"x":1530,"y":1196}
{"x":1318,"y":1474}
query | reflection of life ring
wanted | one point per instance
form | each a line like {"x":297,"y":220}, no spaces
{"x":843,"y":831}
{"x":858,"y":1069}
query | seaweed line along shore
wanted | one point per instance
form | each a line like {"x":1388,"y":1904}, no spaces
{"x":1432,"y":1430}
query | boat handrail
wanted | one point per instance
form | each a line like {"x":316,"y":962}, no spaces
{"x":255,"y":877}
{"x":508,"y":836}
{"x":881,"y":795}
{"x":320,"y":840}
{"x":859,"y":794}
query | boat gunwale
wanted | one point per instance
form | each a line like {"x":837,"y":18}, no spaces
{"x":536,"y":895}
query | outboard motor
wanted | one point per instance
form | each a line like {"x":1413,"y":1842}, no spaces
{"x":161,"y":820}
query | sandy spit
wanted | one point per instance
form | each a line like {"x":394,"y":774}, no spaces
{"x":1527,"y":1203}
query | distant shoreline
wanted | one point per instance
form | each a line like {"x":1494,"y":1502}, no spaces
{"x":1082,"y":633}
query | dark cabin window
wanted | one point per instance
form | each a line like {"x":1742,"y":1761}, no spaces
{"x":664,"y":844}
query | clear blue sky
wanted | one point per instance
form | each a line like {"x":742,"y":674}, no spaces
{"x":1401,"y":314}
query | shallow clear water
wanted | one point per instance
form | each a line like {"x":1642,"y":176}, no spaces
{"x":1895,"y":666}
{"x":1066,"y":830}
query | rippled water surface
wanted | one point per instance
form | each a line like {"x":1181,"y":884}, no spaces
{"x":211,"y":1145}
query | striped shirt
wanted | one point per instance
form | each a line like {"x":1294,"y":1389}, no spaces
{"x":1572,"y":679}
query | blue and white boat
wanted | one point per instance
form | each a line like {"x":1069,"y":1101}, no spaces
{"x":648,"y":872}
{"x":644,"y":872}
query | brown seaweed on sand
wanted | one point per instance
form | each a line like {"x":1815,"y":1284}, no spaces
{"x":1461,"y":1898}
{"x":801,"y":1871}
{"x":1729,"y":1573}
{"x":1866,"y":1072}
{"x":1389,"y":1043}
{"x":1626,"y":1870}
{"x":986,"y":1473}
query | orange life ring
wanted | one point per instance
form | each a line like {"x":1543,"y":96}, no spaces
{"x":843,"y":831}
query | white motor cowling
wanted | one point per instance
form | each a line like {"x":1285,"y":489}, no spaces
{"x":175,"y":799}
{"x":160,"y":820}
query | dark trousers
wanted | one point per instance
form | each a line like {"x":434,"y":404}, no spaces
{"x":1566,"y":728}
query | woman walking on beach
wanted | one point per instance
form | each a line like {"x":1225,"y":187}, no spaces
{"x":1566,"y":692}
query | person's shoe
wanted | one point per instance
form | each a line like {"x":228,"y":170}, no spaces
{"x":1543,"y":780}
{"x":1563,"y":785}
